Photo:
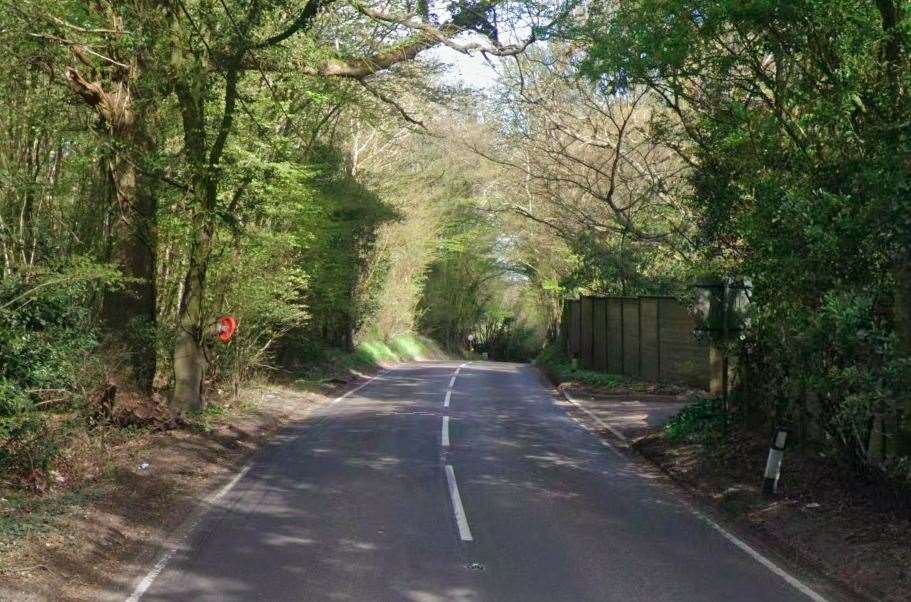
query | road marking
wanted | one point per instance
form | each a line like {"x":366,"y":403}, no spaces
{"x":150,"y":577}
{"x":595,"y":417}
{"x":458,"y":510}
{"x":143,"y":586}
{"x":601,"y":440}
{"x":745,"y":547}
{"x":446,"y":400}
{"x":452,"y":382}
{"x":758,"y":557}
{"x":445,"y":437}
{"x":359,"y":387}
{"x":613,"y":449}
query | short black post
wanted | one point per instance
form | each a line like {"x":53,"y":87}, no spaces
{"x":773,"y":464}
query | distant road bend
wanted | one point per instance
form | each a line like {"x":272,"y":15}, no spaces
{"x":456,"y":481}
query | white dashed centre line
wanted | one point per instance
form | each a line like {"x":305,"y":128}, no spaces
{"x":457,"y":509}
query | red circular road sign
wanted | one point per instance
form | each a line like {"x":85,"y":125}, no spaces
{"x":227,"y":326}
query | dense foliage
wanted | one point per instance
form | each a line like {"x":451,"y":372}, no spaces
{"x":793,"y":119}
{"x":167,"y":163}
{"x":308,"y":168}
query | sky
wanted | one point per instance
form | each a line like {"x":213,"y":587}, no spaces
{"x":472,"y":71}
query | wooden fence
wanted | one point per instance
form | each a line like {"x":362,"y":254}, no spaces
{"x":650,"y":338}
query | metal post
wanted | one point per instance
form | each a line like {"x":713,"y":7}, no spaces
{"x":622,"y":338}
{"x":639,"y":325}
{"x":773,"y":464}
{"x":724,"y":353}
{"x":658,"y":336}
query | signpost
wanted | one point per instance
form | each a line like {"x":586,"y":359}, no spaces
{"x":721,"y":312}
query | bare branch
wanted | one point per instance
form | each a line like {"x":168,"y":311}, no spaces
{"x":392,"y":102}
{"x":77,"y":45}
{"x":302,"y":23}
{"x":430,"y":30}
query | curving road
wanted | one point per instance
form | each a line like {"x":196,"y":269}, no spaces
{"x":379,"y":497}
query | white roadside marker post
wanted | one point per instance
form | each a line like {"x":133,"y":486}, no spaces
{"x":773,"y":464}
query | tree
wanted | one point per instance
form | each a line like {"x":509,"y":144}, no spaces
{"x":108,"y":64}
{"x":791,"y":114}
{"x":594,"y":173}
{"x":232,"y":52}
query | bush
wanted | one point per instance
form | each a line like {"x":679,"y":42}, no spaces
{"x":830,"y":371}
{"x":43,"y":342}
{"x":403,"y":348}
{"x":503,"y":338}
{"x":559,"y":369}
{"x":46,"y":335}
{"x":21,"y":427}
{"x":701,"y":422}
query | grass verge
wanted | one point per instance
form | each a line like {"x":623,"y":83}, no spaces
{"x":133,"y":482}
{"x":334,"y":366}
{"x":560,"y":370}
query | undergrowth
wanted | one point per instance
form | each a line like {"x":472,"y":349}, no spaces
{"x":22,"y":514}
{"x":330,"y":364}
{"x":700,"y":422}
{"x":559,"y":369}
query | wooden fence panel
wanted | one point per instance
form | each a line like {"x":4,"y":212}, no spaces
{"x":630,"y":336}
{"x":684,"y":358}
{"x":650,"y":358}
{"x":648,"y":337}
{"x":573,"y":327}
{"x":599,"y":334}
{"x":614,"y":336}
{"x":585,"y":336}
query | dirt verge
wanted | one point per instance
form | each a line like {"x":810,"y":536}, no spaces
{"x":852,"y":529}
{"x":81,"y":540}
{"x":855,"y":530}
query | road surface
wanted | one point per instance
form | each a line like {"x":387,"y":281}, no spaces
{"x":435,"y":482}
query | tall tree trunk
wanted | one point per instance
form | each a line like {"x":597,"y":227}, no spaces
{"x":128,"y":313}
{"x":189,"y":353}
{"x":902,"y":318}
{"x":189,"y":356}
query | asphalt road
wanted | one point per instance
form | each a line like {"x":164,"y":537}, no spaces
{"x":374,"y":499}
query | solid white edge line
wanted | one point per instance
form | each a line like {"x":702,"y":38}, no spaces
{"x":446,"y":400}
{"x":595,"y":417}
{"x":457,"y":509}
{"x":360,"y":386}
{"x":143,"y":586}
{"x":150,"y":577}
{"x":147,"y":581}
{"x":745,"y":547}
{"x":445,"y":436}
{"x":758,"y":557}
{"x":230,"y":485}
{"x":604,"y":443}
